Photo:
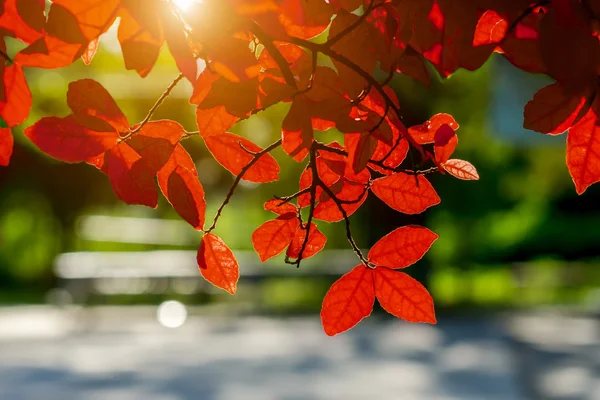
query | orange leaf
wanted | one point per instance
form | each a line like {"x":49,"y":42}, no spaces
{"x":297,"y":130}
{"x":461,"y":169}
{"x":214,"y":121}
{"x":156,"y":141}
{"x":90,"y":51}
{"x":88,"y":97}
{"x":554,"y":109}
{"x":348,"y":301}
{"x":93,"y":17}
{"x":406,"y":193}
{"x":583,"y":150}
{"x":402,"y":247}
{"x":179,"y":182}
{"x":275,"y":206}
{"x":131,"y":179}
{"x":217,"y":263}
{"x":316,"y":243}
{"x":232,"y":152}
{"x":17,"y":97}
{"x":6,"y":146}
{"x":24,"y":18}
{"x":66,"y":140}
{"x":403,"y":296}
{"x":491,"y":29}
{"x":49,"y":52}
{"x":272,"y":237}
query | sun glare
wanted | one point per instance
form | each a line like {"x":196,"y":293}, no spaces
{"x":184,"y":5}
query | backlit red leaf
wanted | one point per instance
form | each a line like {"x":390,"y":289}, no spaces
{"x":445,"y":142}
{"x":461,"y":169}
{"x":316,"y":243}
{"x":217,"y":263}
{"x":17,"y":97}
{"x":348,"y":301}
{"x":406,"y":193}
{"x":67,"y":140}
{"x":425,"y":133}
{"x":233,"y":152}
{"x":275,"y":206}
{"x":402,"y":247}
{"x":272,"y":237}
{"x":214,"y":121}
{"x":178,"y":180}
{"x":6,"y":146}
{"x":583,"y":151}
{"x":88,"y":97}
{"x":403,"y":296}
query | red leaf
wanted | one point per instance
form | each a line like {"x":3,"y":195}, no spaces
{"x":583,"y":150}
{"x":402,"y":247}
{"x":348,"y":301}
{"x":90,"y":51}
{"x":401,"y":192}
{"x":272,"y":237}
{"x":24,"y":18}
{"x":297,"y":130}
{"x":232,"y":152}
{"x":66,"y":140}
{"x":403,"y":296}
{"x":6,"y":146}
{"x":461,"y":169}
{"x":425,"y":133}
{"x":156,"y":141}
{"x":17,"y":97}
{"x":93,"y":17}
{"x":214,"y":121}
{"x":491,"y":29}
{"x":179,"y":182}
{"x":445,"y":142}
{"x":316,"y":243}
{"x":88,"y":97}
{"x":278,"y":208}
{"x":217,"y":263}
{"x":554,"y":109}
{"x":131,"y":179}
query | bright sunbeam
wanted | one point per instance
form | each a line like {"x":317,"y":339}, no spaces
{"x":184,"y":5}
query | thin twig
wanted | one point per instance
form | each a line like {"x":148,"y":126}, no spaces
{"x":237,"y":180}
{"x":160,"y":100}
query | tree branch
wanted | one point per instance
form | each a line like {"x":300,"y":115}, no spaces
{"x":237,"y":180}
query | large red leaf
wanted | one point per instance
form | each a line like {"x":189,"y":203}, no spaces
{"x":217,"y":263}
{"x":554,"y":109}
{"x":272,"y":237}
{"x":402,"y":247}
{"x":6,"y":146}
{"x":348,"y":301}
{"x":17,"y":97}
{"x":67,"y":140}
{"x":179,"y":182}
{"x":583,"y":151}
{"x":461,"y":169}
{"x":131,"y":179}
{"x":93,"y":17}
{"x":316,"y":243}
{"x":24,"y":18}
{"x":406,"y":193}
{"x":88,"y":97}
{"x":403,"y":296}
{"x":234,"y":152}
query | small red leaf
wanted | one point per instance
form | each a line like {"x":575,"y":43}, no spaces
{"x":461,"y":169}
{"x":583,"y":151}
{"x":272,"y":237}
{"x":406,"y":193}
{"x":214,"y":121}
{"x":425,"y":133}
{"x":403,"y":296}
{"x":402,"y":247}
{"x":217,"y":263}
{"x":275,"y":206}
{"x":17,"y":97}
{"x":6,"y":146}
{"x":491,"y":29}
{"x":316,"y":243}
{"x":179,"y":182}
{"x":234,"y":152}
{"x":445,"y":142}
{"x":348,"y":301}
{"x":66,"y":140}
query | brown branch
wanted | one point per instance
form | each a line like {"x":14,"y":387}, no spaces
{"x":160,"y":100}
{"x":237,"y":180}
{"x":287,"y":199}
{"x":267,"y":41}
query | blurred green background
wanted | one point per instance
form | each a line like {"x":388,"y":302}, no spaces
{"x":519,"y":237}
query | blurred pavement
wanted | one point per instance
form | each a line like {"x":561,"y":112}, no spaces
{"x":124,"y":353}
